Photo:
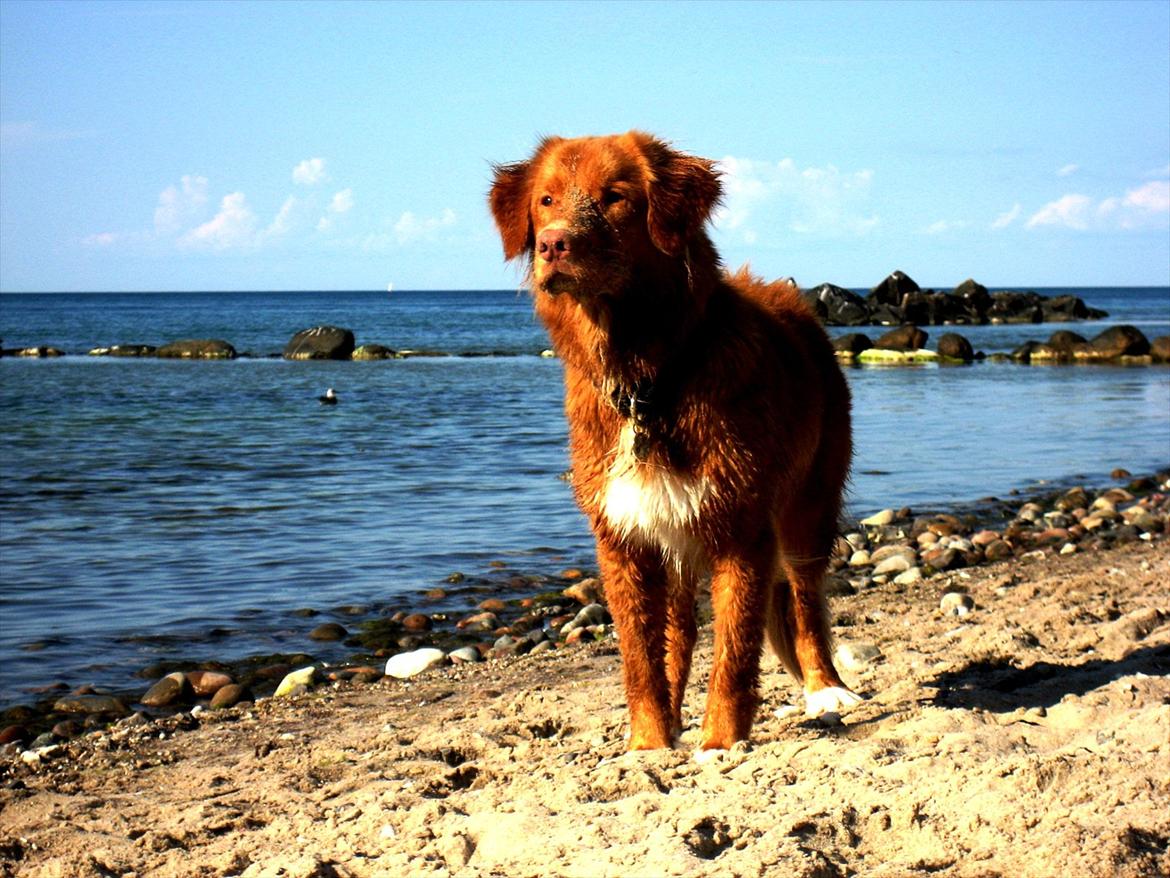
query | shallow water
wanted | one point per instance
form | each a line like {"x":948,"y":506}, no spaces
{"x":154,"y":509}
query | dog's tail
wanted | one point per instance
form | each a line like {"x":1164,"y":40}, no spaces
{"x":781,"y":627}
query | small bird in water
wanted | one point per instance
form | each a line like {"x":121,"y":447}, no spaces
{"x":330,"y":398}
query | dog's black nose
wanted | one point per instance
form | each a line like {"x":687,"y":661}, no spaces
{"x":552,"y":244}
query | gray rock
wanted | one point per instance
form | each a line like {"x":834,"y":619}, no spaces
{"x":857,"y":656}
{"x":170,"y":689}
{"x":956,"y":603}
{"x":101,"y":704}
{"x":320,"y":343}
{"x":329,"y":631}
{"x":197,"y":349}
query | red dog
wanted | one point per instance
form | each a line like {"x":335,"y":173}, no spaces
{"x":708,"y":419}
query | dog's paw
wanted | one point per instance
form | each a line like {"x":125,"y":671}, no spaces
{"x":831,"y":700}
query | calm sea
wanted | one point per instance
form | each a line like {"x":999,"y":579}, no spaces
{"x":155,"y":510}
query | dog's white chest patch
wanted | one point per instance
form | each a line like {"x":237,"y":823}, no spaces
{"x":652,"y":502}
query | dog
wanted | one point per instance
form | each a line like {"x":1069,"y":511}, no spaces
{"x":709,"y":425}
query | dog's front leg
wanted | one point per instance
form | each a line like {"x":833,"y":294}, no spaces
{"x":739,"y":597}
{"x":635,"y":588}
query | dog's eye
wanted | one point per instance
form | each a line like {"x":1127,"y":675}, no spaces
{"x":610,"y":196}
{"x":546,"y":201}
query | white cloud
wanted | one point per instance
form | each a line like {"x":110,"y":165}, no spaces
{"x":1008,"y":217}
{"x":1146,"y":206}
{"x":233,"y":227}
{"x":411,"y":228}
{"x":1068,"y":170}
{"x":282,"y":223}
{"x":180,"y":205}
{"x":762,"y":195}
{"x":310,"y":172}
{"x":943,"y":226}
{"x":342,"y":202}
{"x":1072,"y":211}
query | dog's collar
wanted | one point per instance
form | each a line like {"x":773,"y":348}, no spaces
{"x":643,"y":408}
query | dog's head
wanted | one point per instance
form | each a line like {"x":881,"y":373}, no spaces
{"x":592,"y":212}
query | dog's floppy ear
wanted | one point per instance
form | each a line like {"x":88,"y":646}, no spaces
{"x":682,"y":192}
{"x":509,"y":201}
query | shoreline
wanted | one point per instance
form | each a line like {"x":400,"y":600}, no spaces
{"x":505,"y":611}
{"x":1027,"y":736}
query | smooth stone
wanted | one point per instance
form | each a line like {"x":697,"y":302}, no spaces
{"x":997,"y":550}
{"x":66,"y":729}
{"x":417,"y":622}
{"x":956,"y":603}
{"x":909,"y":576}
{"x":480,"y":622}
{"x":860,"y":558}
{"x":903,"y":338}
{"x":171,"y":688}
{"x":13,"y":733}
{"x":893,"y":550}
{"x":90,"y":704}
{"x":585,"y":592}
{"x":373,"y":352}
{"x":984,"y":538}
{"x":302,"y":677}
{"x":206,"y":683}
{"x":857,"y":656}
{"x":879,"y":519}
{"x":893,"y":564}
{"x":409,"y":664}
{"x":231,"y":695}
{"x":952,"y":346}
{"x":492,"y":605}
{"x":882,"y":357}
{"x":329,"y":631}
{"x":594,"y":614}
{"x":197,"y":349}
{"x":464,"y":655}
{"x":320,"y":343}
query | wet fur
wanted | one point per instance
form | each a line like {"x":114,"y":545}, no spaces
{"x":749,"y":445}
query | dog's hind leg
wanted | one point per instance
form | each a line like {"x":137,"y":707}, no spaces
{"x":635,"y":588}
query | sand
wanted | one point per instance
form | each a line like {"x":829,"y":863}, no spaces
{"x":1030,"y":737}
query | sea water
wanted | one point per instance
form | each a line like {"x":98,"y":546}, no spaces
{"x":154,"y":509}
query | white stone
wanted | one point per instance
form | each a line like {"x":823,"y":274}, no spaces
{"x":409,"y":664}
{"x":909,"y":577}
{"x":892,"y":564}
{"x":857,"y":656}
{"x":880,"y":519}
{"x":956,"y":603}
{"x":301,"y":677}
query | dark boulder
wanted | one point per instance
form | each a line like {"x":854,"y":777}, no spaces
{"x":886,"y":315}
{"x":815,"y":305}
{"x":39,"y":351}
{"x":974,"y":299}
{"x":124,"y":350}
{"x":891,"y":290}
{"x":842,"y":307}
{"x":1160,"y":349}
{"x":943,"y":308}
{"x":320,"y":343}
{"x":1012,"y":307}
{"x":904,"y":338}
{"x":1062,"y":309}
{"x":953,"y":346}
{"x":1023,"y":354}
{"x":197,"y":349}
{"x":374,"y":352}
{"x":1119,"y":341}
{"x":916,"y":308}
{"x":852,"y":343}
{"x":1066,"y":341}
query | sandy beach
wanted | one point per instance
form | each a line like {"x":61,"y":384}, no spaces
{"x":1028,"y":737}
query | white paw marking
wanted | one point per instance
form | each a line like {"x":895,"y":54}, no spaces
{"x":834,"y":699}
{"x":702,"y":757}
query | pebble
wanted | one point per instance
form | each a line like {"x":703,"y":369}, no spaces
{"x":171,"y":688}
{"x":329,"y":631}
{"x":879,"y":519}
{"x":997,"y":550}
{"x":909,"y":577}
{"x":892,"y":564}
{"x":409,"y":664}
{"x":587,"y":591}
{"x":231,"y":695}
{"x":206,"y":683}
{"x":860,"y":558}
{"x":857,"y":656}
{"x":417,"y":622}
{"x":90,"y":704}
{"x":486,"y":621}
{"x":956,"y":603}
{"x":303,"y":677}
{"x":492,"y":605}
{"x":594,"y":614}
{"x":464,"y":655}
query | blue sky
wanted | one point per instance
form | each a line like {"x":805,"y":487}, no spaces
{"x":190,"y":146}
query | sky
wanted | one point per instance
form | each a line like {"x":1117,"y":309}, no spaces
{"x":284,"y":146}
